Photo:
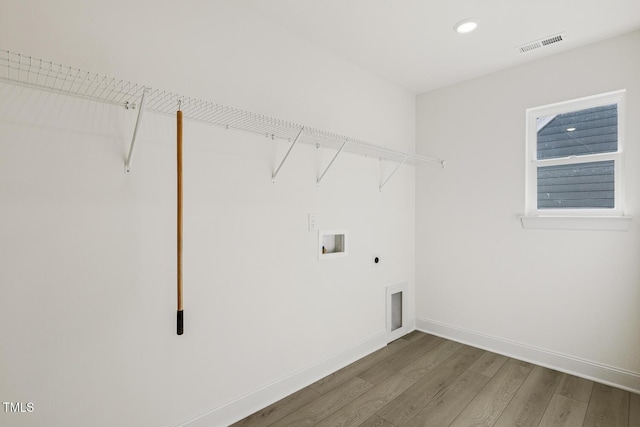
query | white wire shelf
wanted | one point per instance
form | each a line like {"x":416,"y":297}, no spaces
{"x":50,"y":76}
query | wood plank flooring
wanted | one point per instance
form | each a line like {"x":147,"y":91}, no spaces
{"x":424,"y":380}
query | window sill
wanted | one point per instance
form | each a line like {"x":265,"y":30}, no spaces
{"x":614,"y":223}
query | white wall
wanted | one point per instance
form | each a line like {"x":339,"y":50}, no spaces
{"x":87,"y":252}
{"x":567,"y":299}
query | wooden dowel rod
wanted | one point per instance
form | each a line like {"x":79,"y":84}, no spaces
{"x":180,"y":325}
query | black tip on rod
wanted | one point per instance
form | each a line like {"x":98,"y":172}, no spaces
{"x":180,"y":322}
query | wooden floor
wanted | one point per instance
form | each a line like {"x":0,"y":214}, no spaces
{"x":424,"y":380}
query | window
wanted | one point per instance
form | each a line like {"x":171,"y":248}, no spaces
{"x":574,"y":158}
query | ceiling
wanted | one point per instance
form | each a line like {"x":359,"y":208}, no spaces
{"x":412,"y":42}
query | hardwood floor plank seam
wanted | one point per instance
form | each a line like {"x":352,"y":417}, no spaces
{"x":531,"y":400}
{"x":430,"y":386}
{"x":325,"y":405}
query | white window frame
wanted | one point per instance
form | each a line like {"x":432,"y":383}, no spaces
{"x":597,"y":218}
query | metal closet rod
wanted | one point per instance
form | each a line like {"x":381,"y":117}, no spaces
{"x":47,"y":75}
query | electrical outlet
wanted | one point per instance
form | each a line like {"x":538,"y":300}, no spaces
{"x":313,"y":222}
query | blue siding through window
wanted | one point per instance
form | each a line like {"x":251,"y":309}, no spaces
{"x":580,"y":185}
{"x":596,"y":131}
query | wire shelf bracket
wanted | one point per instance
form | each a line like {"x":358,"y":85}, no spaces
{"x":143,"y":106}
{"x":22,"y":70}
{"x":275,"y":174}
{"x":344,"y":144}
{"x":383,"y":183}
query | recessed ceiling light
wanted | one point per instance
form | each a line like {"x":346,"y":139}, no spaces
{"x":570,"y":129}
{"x":465,"y":26}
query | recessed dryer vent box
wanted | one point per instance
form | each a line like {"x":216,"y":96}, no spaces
{"x":396,"y":311}
{"x":332,"y":244}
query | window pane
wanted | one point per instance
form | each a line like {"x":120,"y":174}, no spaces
{"x":588,"y":131}
{"x":576,"y":186}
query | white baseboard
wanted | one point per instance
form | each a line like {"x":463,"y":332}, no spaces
{"x":597,"y":372}
{"x":238,"y":409}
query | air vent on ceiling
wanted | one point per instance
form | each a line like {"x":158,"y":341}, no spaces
{"x":541,"y":43}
